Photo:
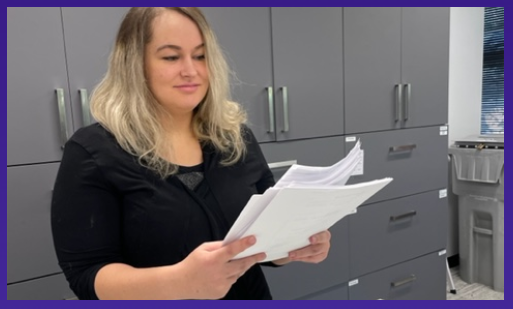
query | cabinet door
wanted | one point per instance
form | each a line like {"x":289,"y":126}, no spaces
{"x":415,"y":158}
{"x":48,"y":288}
{"x":372,"y":64}
{"x":396,"y":230}
{"x":423,"y":278}
{"x":307,"y":59}
{"x":245,"y":37}
{"x":316,"y":152}
{"x":89,"y":34}
{"x":338,"y":292}
{"x":36,"y":67}
{"x":425,"y":65}
{"x":30,"y":250}
{"x":301,"y":280}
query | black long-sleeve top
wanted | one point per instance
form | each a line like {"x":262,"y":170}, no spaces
{"x":107,"y":208}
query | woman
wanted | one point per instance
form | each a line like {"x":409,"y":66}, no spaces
{"x":143,"y":198}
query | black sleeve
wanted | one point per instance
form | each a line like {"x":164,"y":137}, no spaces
{"x":85,"y":220}
{"x":267,"y":179}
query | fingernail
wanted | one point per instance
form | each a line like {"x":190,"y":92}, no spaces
{"x":312,"y":240}
{"x":252,"y":240}
{"x":292,"y":255}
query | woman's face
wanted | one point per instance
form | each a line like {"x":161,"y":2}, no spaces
{"x":175,"y":64}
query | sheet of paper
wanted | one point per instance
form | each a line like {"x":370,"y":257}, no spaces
{"x":336,"y":174}
{"x":296,"y":213}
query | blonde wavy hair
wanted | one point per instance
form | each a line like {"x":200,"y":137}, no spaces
{"x":123,"y":103}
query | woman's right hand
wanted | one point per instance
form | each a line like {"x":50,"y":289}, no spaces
{"x":209,"y":271}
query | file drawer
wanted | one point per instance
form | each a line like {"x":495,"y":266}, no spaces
{"x":30,"y":249}
{"x":338,"y":292}
{"x":48,"y":288}
{"x":415,"y":158}
{"x":419,"y":279}
{"x":394,"y":231}
{"x":299,"y":279}
{"x":317,"y":152}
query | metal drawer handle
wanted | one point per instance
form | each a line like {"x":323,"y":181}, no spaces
{"x":398,"y":101}
{"x":285,"y":109}
{"x":282,"y":164}
{"x":482,"y":231}
{"x":403,"y":148}
{"x":407,"y":102}
{"x":61,"y":105}
{"x":271,"y":109}
{"x":86,"y":112}
{"x":404,"y":281}
{"x":403,"y":216}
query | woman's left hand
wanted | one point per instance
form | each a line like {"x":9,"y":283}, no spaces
{"x":315,"y":253}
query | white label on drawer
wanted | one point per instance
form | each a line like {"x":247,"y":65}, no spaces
{"x":442,"y":252}
{"x":350,"y":139}
{"x":359,"y":168}
{"x":442,"y":193}
{"x":443,"y":130}
{"x":353,"y":282}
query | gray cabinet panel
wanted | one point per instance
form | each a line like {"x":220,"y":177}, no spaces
{"x":396,"y":230}
{"x":372,"y":60}
{"x":35,"y":68}
{"x":316,"y":152}
{"x":307,"y":59}
{"x":422,"y":168}
{"x":338,"y":292}
{"x":422,"y":279}
{"x":89,"y":34}
{"x":30,"y":250}
{"x":425,"y":58}
{"x":245,"y":36}
{"x":48,"y":288}
{"x":298,"y":279}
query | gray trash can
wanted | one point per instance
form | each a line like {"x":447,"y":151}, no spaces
{"x":478,"y":180}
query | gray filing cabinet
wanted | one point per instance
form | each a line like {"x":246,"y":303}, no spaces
{"x":72,"y":47}
{"x":329,"y":73}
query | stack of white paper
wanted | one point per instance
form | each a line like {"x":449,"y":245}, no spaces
{"x":305,"y":201}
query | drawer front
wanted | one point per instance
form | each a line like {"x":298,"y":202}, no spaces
{"x":394,"y":231}
{"x":415,"y":158}
{"x":30,"y":250}
{"x":299,"y":279}
{"x":338,"y":292}
{"x":315,"y":152}
{"x":48,"y":288}
{"x":419,"y":279}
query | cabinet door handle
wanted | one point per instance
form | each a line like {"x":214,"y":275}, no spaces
{"x":398,"y":101}
{"x":61,"y":105}
{"x":403,"y":216}
{"x":271,"y":109}
{"x":407,"y":87}
{"x":86,"y":112}
{"x":285,"y":109}
{"x":281,"y":164}
{"x":403,"y":148}
{"x":411,"y":278}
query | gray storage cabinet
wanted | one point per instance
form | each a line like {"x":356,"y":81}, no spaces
{"x":396,"y":68}
{"x":289,"y":82}
{"x":312,"y":80}
{"x":55,"y":57}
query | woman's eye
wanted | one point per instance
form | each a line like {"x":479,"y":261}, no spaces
{"x":200,"y":57}
{"x":171,"y":58}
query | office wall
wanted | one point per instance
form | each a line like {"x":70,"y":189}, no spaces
{"x":465,"y":77}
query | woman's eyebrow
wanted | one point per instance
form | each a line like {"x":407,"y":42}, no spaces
{"x":176,"y":47}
